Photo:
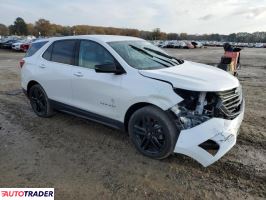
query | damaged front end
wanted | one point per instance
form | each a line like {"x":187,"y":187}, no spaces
{"x":208,"y":123}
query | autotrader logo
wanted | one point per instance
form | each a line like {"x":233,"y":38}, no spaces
{"x":26,"y":193}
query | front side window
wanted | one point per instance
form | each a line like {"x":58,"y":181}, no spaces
{"x":91,"y":54}
{"x":64,"y":51}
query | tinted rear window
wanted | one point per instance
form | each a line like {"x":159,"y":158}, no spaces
{"x":63,"y":51}
{"x":34,"y":48}
{"x":47,"y":53}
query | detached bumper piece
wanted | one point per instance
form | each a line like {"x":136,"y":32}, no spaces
{"x":209,"y":141}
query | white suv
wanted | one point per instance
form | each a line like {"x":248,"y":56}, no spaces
{"x":165,"y":104}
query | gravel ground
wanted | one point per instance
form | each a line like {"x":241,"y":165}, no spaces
{"x":85,"y":160}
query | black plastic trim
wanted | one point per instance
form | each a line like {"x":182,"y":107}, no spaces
{"x":86,"y":115}
{"x":210,"y":146}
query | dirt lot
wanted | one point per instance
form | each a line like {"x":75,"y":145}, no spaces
{"x":85,"y":160}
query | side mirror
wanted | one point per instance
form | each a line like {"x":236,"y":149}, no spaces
{"x":108,"y":68}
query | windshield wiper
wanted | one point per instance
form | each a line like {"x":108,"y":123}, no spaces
{"x":169,"y":61}
{"x":150,"y":55}
{"x":141,"y":50}
{"x":163,"y":54}
{"x":157,"y":52}
{"x":169,"y":58}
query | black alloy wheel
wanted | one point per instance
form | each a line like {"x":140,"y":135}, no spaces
{"x":153,"y":132}
{"x":149,"y":134}
{"x":39,"y":101}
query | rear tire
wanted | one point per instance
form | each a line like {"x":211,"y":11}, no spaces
{"x":40,"y":102}
{"x":153,"y":132}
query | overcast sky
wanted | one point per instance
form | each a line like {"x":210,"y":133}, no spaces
{"x":190,"y":16}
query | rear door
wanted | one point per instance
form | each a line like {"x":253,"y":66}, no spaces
{"x":95,"y":92}
{"x":56,"y":70}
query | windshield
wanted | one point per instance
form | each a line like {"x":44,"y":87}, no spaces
{"x":143,"y":55}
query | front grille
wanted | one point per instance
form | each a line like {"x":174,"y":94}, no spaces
{"x":230,"y":102}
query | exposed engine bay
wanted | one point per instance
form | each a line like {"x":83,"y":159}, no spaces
{"x":198,"y":107}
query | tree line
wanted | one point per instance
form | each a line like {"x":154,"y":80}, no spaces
{"x":44,"y":27}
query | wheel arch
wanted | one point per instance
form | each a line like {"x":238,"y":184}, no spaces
{"x":133,"y":108}
{"x":30,"y":84}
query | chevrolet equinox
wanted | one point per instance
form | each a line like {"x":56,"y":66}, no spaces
{"x":167,"y":105}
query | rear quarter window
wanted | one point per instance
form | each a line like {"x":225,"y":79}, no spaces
{"x":34,"y":48}
{"x":48,"y":53}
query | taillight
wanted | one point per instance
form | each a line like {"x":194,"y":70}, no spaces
{"x":21,"y":63}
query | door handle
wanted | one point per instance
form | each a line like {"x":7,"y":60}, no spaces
{"x":78,"y":74}
{"x":42,"y":66}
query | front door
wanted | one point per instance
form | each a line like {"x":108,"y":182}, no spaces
{"x":95,"y":92}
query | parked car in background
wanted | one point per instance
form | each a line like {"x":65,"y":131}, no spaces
{"x":259,"y":45}
{"x":8,"y":44}
{"x":197,"y":44}
{"x":171,"y":44}
{"x":17,"y":45}
{"x":251,"y":45}
{"x":164,"y":44}
{"x":25,"y":46}
{"x":180,"y":44}
{"x":189,"y":45}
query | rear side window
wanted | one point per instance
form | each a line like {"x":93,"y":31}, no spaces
{"x":34,"y":48}
{"x":63,"y":51}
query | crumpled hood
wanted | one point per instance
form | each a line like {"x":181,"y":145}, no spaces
{"x":194,"y":76}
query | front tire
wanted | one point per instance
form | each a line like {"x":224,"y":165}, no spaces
{"x":40,"y":102}
{"x":153,"y":132}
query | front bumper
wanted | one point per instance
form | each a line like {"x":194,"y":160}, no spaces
{"x":221,"y":131}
